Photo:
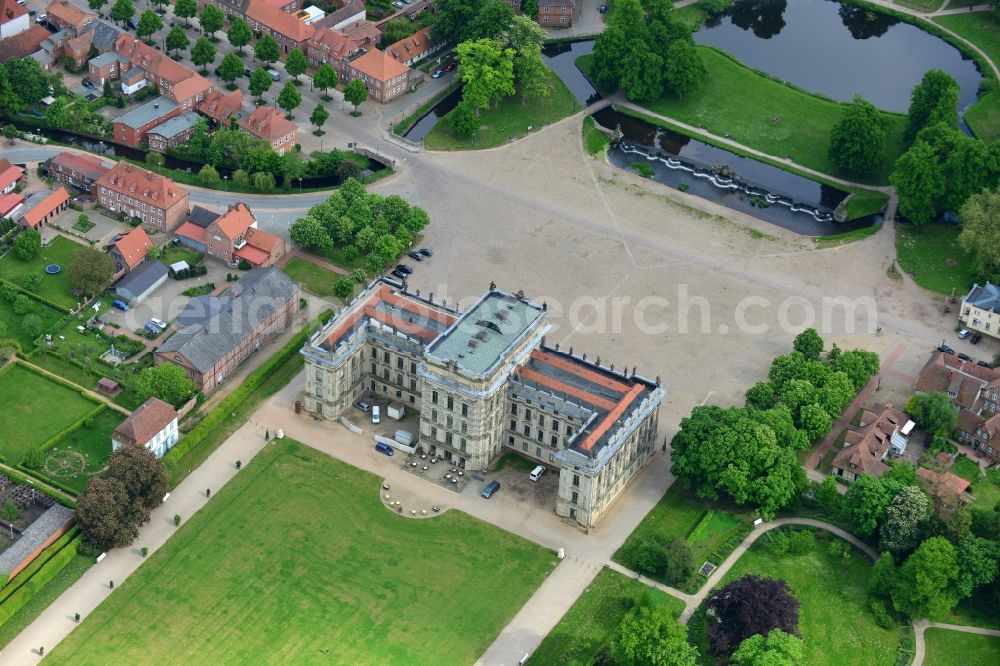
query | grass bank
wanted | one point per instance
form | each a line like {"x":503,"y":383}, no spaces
{"x":957,"y":648}
{"x":314,"y":278}
{"x":404,"y":125}
{"x":354,"y":581}
{"x":595,"y":141}
{"x":930,"y":253}
{"x":845,"y":238}
{"x":509,"y":119}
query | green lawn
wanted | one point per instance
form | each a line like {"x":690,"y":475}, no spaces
{"x":987,"y":491}
{"x":515,"y":461}
{"x":740,"y":103}
{"x":983,"y":30}
{"x":34,"y":409}
{"x":83,"y":453}
{"x":712,"y":529}
{"x":921,"y":5}
{"x":834,"y":620}
{"x":44,"y":597}
{"x":125,"y":376}
{"x":957,"y":648}
{"x":693,"y":16}
{"x":54,"y":288}
{"x":297,"y":556}
{"x":14,"y":330}
{"x":933,"y":258}
{"x":595,"y":142}
{"x":509,"y":119}
{"x":846,"y":237}
{"x":967,"y":469}
{"x":174,"y":253}
{"x":314,"y":279}
{"x":593,"y":618}
{"x":865,"y":202}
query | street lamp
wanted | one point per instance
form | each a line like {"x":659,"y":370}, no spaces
{"x":300,"y":184}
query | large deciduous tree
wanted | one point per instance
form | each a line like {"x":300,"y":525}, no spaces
{"x":809,"y":344}
{"x":776,"y":649}
{"x":529,"y":73}
{"x":177,"y":39}
{"x":685,"y":69}
{"x":296,"y":63}
{"x":260,"y":82}
{"x":934,"y":412}
{"x":919,"y":183}
{"x":487,"y":69}
{"x":142,"y":474}
{"x":309,"y":232}
{"x":267,"y":49}
{"x":203,"y":53}
{"x":185,"y":9}
{"x":857,"y":141}
{"x":239,"y":33}
{"x":325,"y":78}
{"x":981,"y":230}
{"x":231,"y":68}
{"x":926,"y":583}
{"x":89,"y":271}
{"x":149,"y":22}
{"x":27,"y":245}
{"x":978,"y":560}
{"x":211,"y":19}
{"x":122,"y":11}
{"x":652,"y":637}
{"x":106,"y":515}
{"x":289,"y":98}
{"x":750,"y":605}
{"x":933,"y":100}
{"x":867,"y":500}
{"x":355,"y":93}
{"x":906,"y":514}
{"x":859,"y":365}
{"x":166,"y":381}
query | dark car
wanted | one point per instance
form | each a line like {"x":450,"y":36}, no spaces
{"x":217,"y":70}
{"x":416,"y":256}
{"x":489,"y":490}
{"x":384,"y":448}
{"x":247,"y":73}
{"x":976,"y":337}
{"x":132,"y":24}
{"x":362,"y":405}
{"x":603,"y":9}
{"x":983,"y":364}
{"x":964,"y":357}
{"x":426,"y":252}
{"x":396,"y":273}
{"x":87,"y":83}
{"x":946,"y":349}
{"x":450,"y":66}
{"x":403,"y":268}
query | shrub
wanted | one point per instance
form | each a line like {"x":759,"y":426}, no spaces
{"x":778,"y":542}
{"x":643,"y":169}
{"x":800,"y":541}
{"x":343,"y":288}
{"x":177,"y":519}
{"x":881,"y":614}
{"x":244,"y":265}
{"x":350,"y":253}
{"x":649,"y":558}
{"x":680,"y":562}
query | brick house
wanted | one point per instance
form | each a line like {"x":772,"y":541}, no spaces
{"x":10,"y":176}
{"x":157,"y":201}
{"x":414,"y":48}
{"x":333,"y":47}
{"x":129,"y":251}
{"x":221,"y":108}
{"x":23,"y":44}
{"x":131,"y":129}
{"x":287,"y":29}
{"x":65,"y":15}
{"x":883,"y":431}
{"x":556,"y":13}
{"x":231,"y":237}
{"x":217,"y":333}
{"x":385,"y":78}
{"x":77,"y":171}
{"x":172,"y":133}
{"x":152,"y":426}
{"x":41,"y":207}
{"x":14,"y":18}
{"x":174,"y":80}
{"x":100,"y":35}
{"x":270,"y":124}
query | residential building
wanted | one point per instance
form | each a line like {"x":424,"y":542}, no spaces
{"x":981,"y":310}
{"x":143,"y":281}
{"x":883,"y":431}
{"x":192,"y":233}
{"x":14,"y":18}
{"x":945,"y":488}
{"x":333,"y":47}
{"x":67,"y":16}
{"x":132,"y":128}
{"x":231,"y":237}
{"x":138,"y":193}
{"x":23,"y":44}
{"x":975,"y":393}
{"x":222,"y":108}
{"x":10,"y":175}
{"x":11,"y":205}
{"x":130,"y":250}
{"x":41,"y":207}
{"x":153,"y":426}
{"x":484,"y":382}
{"x":217,"y":333}
{"x":99,"y":34}
{"x":173,"y":132}
{"x":181,"y":85}
{"x":270,"y":124}
{"x":289,"y":31}
{"x":385,"y":78}
{"x":351,"y":12}
{"x":414,"y":48}
{"x":76,"y":170}
{"x":556,"y":13}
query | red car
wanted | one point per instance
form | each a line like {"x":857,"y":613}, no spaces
{"x":450,"y":66}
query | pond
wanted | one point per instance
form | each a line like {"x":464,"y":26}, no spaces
{"x":763,"y":191}
{"x":838,"y":50}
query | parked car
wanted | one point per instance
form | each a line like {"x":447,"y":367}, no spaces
{"x":362,"y":405}
{"x":403,"y":268}
{"x":964,"y":333}
{"x":376,"y":415}
{"x":41,"y":18}
{"x":121,"y":305}
{"x":946,"y":349}
{"x":132,"y":24}
{"x":384,"y":448}
{"x":416,"y":256}
{"x":426,"y":252}
{"x":87,"y":83}
{"x":450,"y":66}
{"x":247,"y":73}
{"x":158,"y":322}
{"x":976,"y":337}
{"x":489,"y":490}
{"x":397,"y":5}
{"x":437,"y":74}
{"x":983,"y":364}
{"x":537,"y":473}
{"x":152,"y":328}
{"x":396,"y":273}
{"x":603,"y":9}
{"x":964,"y":357}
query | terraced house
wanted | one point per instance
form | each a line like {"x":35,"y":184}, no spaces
{"x":484,"y":382}
{"x":138,"y":193}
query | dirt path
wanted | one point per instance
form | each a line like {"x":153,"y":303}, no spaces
{"x":920,"y":643}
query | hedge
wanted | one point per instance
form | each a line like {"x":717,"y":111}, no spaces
{"x":46,"y":573}
{"x":25,"y":574}
{"x":18,"y":476}
{"x":73,"y":427}
{"x":58,"y":380}
{"x":194,"y":439}
{"x":45,"y":479}
{"x":35,"y":297}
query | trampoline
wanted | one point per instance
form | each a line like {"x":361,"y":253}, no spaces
{"x":53,"y":269}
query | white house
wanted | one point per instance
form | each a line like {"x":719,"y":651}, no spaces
{"x":153,"y":425}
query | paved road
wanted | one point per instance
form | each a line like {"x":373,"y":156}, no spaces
{"x":920,"y":642}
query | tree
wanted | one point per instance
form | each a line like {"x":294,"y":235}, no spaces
{"x":177,"y":39}
{"x":809,"y":344}
{"x":296,"y":63}
{"x":859,"y":365}
{"x":685,"y":69}
{"x":641,"y":72}
{"x":239,"y":33}
{"x":395,"y":30}
{"x":89,"y":271}
{"x":760,"y":396}
{"x":608,"y":55}
{"x":463,"y":121}
{"x":652,"y":637}
{"x":750,"y":605}
{"x":10,"y":510}
{"x":289,"y":98}
{"x":166,"y":381}
{"x":867,"y":500}
{"x":106,"y":515}
{"x":926,"y":581}
{"x":27,"y":245}
{"x":904,"y":518}
{"x":318,"y":117}
{"x":325,"y":78}
{"x":919,"y":183}
{"x":784,"y":368}
{"x":649,"y":558}
{"x":260,"y":82}
{"x":122,"y":11}
{"x":32,"y":81}
{"x":680,"y":562}
{"x":96,"y":4}
{"x":882,"y":578}
{"x":308,"y":232}
{"x":149,"y":22}
{"x":142,"y":474}
{"x":530,"y":72}
{"x":267,"y":49}
{"x":203,"y":53}
{"x":934,"y":412}
{"x":835,"y":394}
{"x":356,"y":92}
{"x":208,"y":175}
{"x":980,"y":234}
{"x":857,"y":141}
{"x":231,"y":67}
{"x":32,"y":325}
{"x":487,"y":70}
{"x":978,"y":560}
{"x":775,"y":649}
{"x":933,"y":100}
{"x":211,"y":19}
{"x":343,"y":288}
{"x":814,"y":420}
{"x":261,"y":157}
{"x":263,"y":181}
{"x":185,"y":9}
{"x":522,"y":32}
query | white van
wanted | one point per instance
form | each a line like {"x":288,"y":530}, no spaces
{"x":537,"y":473}
{"x":375,"y":415}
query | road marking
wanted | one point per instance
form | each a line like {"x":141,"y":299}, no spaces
{"x":710,"y":394}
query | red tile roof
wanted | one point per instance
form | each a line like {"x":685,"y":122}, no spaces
{"x":379,"y":66}
{"x":143,"y":185}
{"x":151,"y":60}
{"x":275,"y":19}
{"x":221,"y":107}
{"x":267,"y":123}
{"x":9,"y":202}
{"x":413,"y":46}
{"x":338,"y":44}
{"x":190,"y":88}
{"x":62,"y":12}
{"x":10,"y":10}
{"x":9,"y":176}
{"x":235,"y":222}
{"x":146,"y":422}
{"x":865,"y":448}
{"x":262,"y":240}
{"x":88,"y":165}
{"x":23,"y":43}
{"x":192,"y":231}
{"x":253,"y":255}
{"x":134,"y":246}
{"x":46,"y":206}
{"x":941,"y":483}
